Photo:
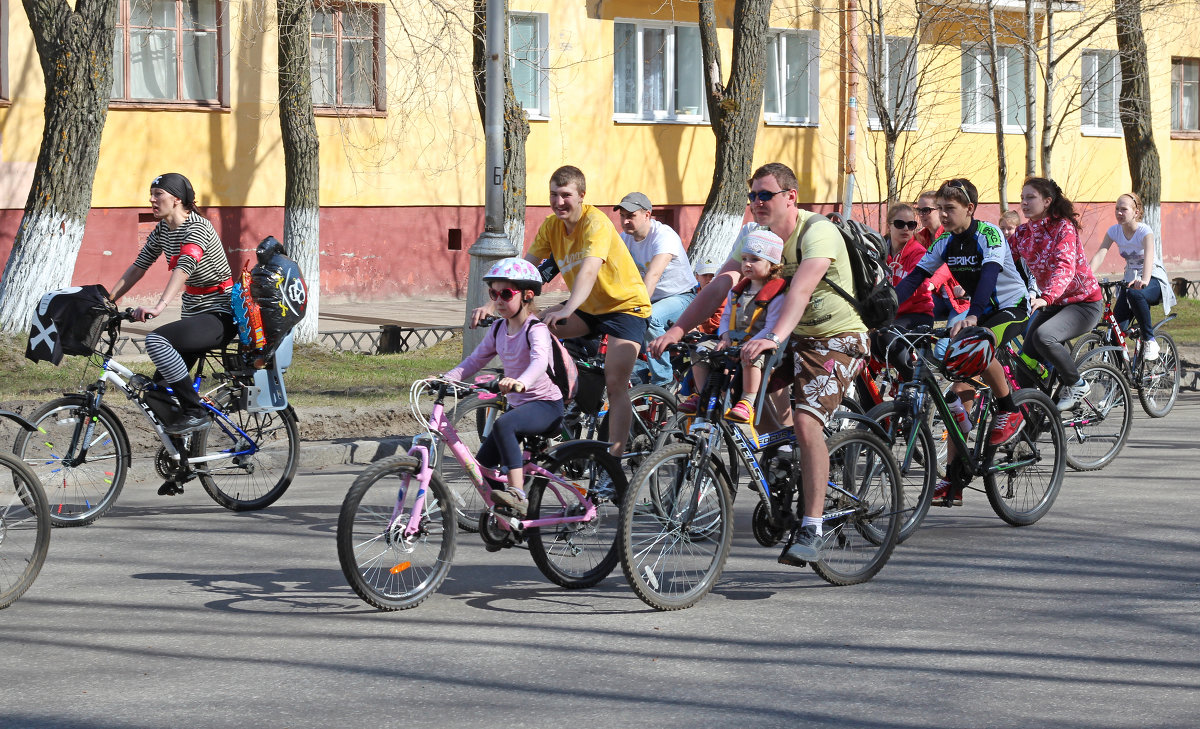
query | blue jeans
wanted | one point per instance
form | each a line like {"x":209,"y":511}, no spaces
{"x":1138,"y":302}
{"x":663,"y":313}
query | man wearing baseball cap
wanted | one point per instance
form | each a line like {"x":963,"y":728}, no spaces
{"x":666,"y":271}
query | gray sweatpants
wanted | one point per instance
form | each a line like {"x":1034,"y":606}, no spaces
{"x":1053,"y":326}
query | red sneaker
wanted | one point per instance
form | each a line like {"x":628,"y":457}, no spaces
{"x":1006,"y":427}
{"x":690,"y":404}
{"x":947,"y":494}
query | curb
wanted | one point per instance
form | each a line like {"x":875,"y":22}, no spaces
{"x":314,"y":454}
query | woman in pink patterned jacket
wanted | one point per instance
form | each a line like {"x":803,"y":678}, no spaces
{"x":1069,"y":303}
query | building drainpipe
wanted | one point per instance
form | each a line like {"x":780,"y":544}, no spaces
{"x":850,"y":113}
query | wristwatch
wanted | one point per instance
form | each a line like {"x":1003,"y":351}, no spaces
{"x":773,"y":338}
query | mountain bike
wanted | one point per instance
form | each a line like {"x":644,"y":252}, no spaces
{"x":245,"y":460}
{"x":1157,"y":381}
{"x":24,"y":523}
{"x":677,"y":518}
{"x":396,"y":533}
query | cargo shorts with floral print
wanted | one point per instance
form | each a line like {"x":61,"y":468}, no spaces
{"x":825,"y":368}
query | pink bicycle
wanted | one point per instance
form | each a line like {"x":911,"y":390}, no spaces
{"x":397,"y":527}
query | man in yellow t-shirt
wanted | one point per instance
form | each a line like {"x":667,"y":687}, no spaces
{"x":607,"y":292}
{"x":824,"y":333}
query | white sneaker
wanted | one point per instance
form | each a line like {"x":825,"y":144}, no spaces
{"x":1073,"y":395}
{"x":1150,"y":349}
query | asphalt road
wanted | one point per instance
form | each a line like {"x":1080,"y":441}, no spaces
{"x":171,"y":612}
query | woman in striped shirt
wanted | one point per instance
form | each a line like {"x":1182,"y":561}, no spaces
{"x":200,"y":270}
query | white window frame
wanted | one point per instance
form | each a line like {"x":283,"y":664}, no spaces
{"x":542,"y":110}
{"x":910,"y":92}
{"x":780,"y":38}
{"x":1090,"y":63}
{"x":982,"y":91}
{"x":671,"y":114}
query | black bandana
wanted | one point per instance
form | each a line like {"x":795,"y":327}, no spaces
{"x":177,"y":185}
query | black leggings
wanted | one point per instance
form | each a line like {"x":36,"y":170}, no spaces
{"x":502,"y":447}
{"x":176,"y":347}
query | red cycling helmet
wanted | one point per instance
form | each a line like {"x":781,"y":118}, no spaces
{"x":969,"y":353}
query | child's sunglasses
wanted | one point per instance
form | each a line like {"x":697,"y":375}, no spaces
{"x":503,"y":294}
{"x":910,"y":224}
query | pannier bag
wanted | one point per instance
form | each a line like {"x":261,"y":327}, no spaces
{"x":69,"y":321}
{"x":268,"y":300}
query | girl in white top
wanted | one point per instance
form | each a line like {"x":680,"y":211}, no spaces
{"x":1146,"y":281}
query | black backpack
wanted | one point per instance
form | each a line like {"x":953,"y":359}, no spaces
{"x":875,"y":299}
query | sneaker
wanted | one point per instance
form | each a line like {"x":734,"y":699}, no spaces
{"x":806,"y":548}
{"x":690,"y":404}
{"x":1006,"y":427}
{"x":1150,"y":349}
{"x":741,"y":412}
{"x":512,"y":498}
{"x":170,"y":488}
{"x":603,"y":489}
{"x":1073,"y":396}
{"x":188,"y":423}
{"x":947,"y":494}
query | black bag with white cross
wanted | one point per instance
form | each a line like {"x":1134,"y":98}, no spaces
{"x":69,"y":321}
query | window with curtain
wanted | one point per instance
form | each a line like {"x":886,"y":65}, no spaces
{"x":168,"y":51}
{"x":978,"y":114}
{"x":345,"y":57}
{"x":1100,"y":88}
{"x":1185,"y":94}
{"x":897,"y":86}
{"x":657,"y":72}
{"x":527,"y":46}
{"x":790,"y":94}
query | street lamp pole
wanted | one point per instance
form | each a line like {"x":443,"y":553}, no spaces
{"x":493,"y":244}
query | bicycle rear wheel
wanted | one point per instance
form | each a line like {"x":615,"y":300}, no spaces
{"x":24,"y":528}
{"x":1088,"y":342}
{"x":253,"y":458}
{"x":1097,"y":429}
{"x":387,"y":568}
{"x":1026,"y":474}
{"x":1160,"y":378}
{"x":79,"y":489}
{"x":863,"y":510}
{"x":671,"y":564}
{"x":576,"y":554}
{"x":915,"y":452}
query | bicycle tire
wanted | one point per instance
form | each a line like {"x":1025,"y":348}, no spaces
{"x":1159,"y":380}
{"x":79,"y":493}
{"x":1086,"y":344}
{"x":379,"y":564}
{"x":1023,"y":494}
{"x":654,"y":407}
{"x":669,"y":565}
{"x":472,"y":420}
{"x":1097,"y":430}
{"x":255,"y":480}
{"x":916,"y":458}
{"x":576,"y":555}
{"x":676,"y":431}
{"x":24,"y":529}
{"x":864,"y":484}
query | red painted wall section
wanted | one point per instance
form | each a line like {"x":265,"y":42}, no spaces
{"x":387,"y":253}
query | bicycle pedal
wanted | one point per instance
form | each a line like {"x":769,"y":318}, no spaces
{"x":170,"y":488}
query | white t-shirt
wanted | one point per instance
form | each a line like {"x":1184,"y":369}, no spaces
{"x":1133,"y":250}
{"x":678,"y":277}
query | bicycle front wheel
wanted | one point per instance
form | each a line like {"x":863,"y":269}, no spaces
{"x":393,"y":558}
{"x":863,"y":509}
{"x":80,"y":487}
{"x":654,"y":410}
{"x":670,"y":560}
{"x":580,"y":553}
{"x":24,"y":528}
{"x":1026,"y":474}
{"x":915,"y":452}
{"x":247,"y":462}
{"x":1160,"y":379}
{"x":1096,"y":430}
{"x":1084,"y":346}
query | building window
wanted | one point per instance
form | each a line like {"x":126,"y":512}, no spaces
{"x":528,"y":51}
{"x":1185,"y":94}
{"x":978,"y":113}
{"x":791,"y":89}
{"x":897,"y":89}
{"x":346,"y":58}
{"x":1100,"y":89}
{"x":657,"y":73}
{"x":169,"y":51}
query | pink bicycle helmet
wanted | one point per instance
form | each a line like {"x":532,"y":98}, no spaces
{"x":520,"y":272}
{"x":969,"y":353}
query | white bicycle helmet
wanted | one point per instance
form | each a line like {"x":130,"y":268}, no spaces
{"x":520,"y":272}
{"x":969,"y":353}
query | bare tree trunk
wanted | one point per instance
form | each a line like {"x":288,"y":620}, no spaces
{"x":734,"y":114}
{"x":302,"y":205}
{"x":998,"y":107}
{"x":75,"y":48}
{"x":1030,"y":53}
{"x":516,"y":129}
{"x":1048,"y":93}
{"x":1134,"y":107}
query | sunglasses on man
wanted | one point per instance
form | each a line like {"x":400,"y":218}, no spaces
{"x":900,"y":224}
{"x":762,"y":195}
{"x":503,"y":294}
